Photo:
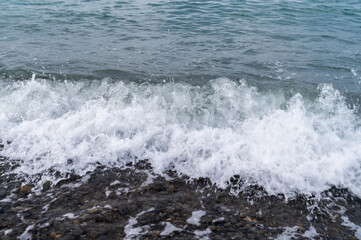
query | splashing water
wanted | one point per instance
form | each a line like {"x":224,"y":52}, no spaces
{"x":286,"y":145}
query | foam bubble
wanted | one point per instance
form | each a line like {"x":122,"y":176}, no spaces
{"x":169,"y":228}
{"x":286,"y":145}
{"x":196,"y":217}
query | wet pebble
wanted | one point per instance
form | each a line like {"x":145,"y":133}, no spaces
{"x":25,"y":189}
{"x":86,"y":213}
{"x":47,"y":186}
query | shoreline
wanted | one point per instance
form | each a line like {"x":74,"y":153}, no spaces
{"x":135,"y":203}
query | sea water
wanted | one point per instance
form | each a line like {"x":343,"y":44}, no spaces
{"x":267,"y":90}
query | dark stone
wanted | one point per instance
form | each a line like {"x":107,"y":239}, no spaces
{"x":3,"y":193}
{"x":47,"y":186}
{"x":156,"y":187}
{"x":98,"y":217}
{"x":77,"y":232}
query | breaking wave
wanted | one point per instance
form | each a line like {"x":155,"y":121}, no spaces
{"x":225,"y":128}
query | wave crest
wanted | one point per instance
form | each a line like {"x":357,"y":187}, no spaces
{"x":216,"y":131}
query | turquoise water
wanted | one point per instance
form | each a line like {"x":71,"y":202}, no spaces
{"x":268,"y":90}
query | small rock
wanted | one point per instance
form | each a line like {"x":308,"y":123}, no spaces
{"x":170,"y":189}
{"x":46,"y":185}
{"x":247,"y":226}
{"x":224,"y":209}
{"x":77,"y":232}
{"x":212,"y":228}
{"x":53,"y":234}
{"x":93,"y":210}
{"x":253,"y":229}
{"x":239,"y":224}
{"x":25,"y":189}
{"x":300,"y":226}
{"x":109,"y":218}
{"x":155,"y":233}
{"x":251,"y":236}
{"x":85,"y":216}
{"x":93,"y":234}
{"x":3,"y":193}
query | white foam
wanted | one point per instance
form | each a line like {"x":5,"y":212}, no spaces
{"x":125,"y":191}
{"x":26,"y":235}
{"x":45,"y":208}
{"x":107,"y":192}
{"x":8,"y":231}
{"x":221,"y":219}
{"x":70,"y":215}
{"x":196,"y":217}
{"x":311,"y":233}
{"x":346,"y":222}
{"x":85,"y":178}
{"x":132,"y":232}
{"x":44,"y":225}
{"x":8,"y":198}
{"x":289,"y":233}
{"x":169,"y":228}
{"x":150,"y":178}
{"x":203,"y":234}
{"x":354,"y":72}
{"x":218,"y":130}
{"x":115,"y":183}
{"x":345,"y":219}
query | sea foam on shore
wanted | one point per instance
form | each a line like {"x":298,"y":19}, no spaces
{"x":296,"y":144}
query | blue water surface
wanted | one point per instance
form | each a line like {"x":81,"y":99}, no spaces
{"x":272,"y":44}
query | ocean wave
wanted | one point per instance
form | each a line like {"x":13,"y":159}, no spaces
{"x":284,"y":144}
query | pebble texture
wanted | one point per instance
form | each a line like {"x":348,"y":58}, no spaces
{"x":114,"y":200}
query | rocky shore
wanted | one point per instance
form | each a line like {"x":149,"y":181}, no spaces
{"x":134,"y":203}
